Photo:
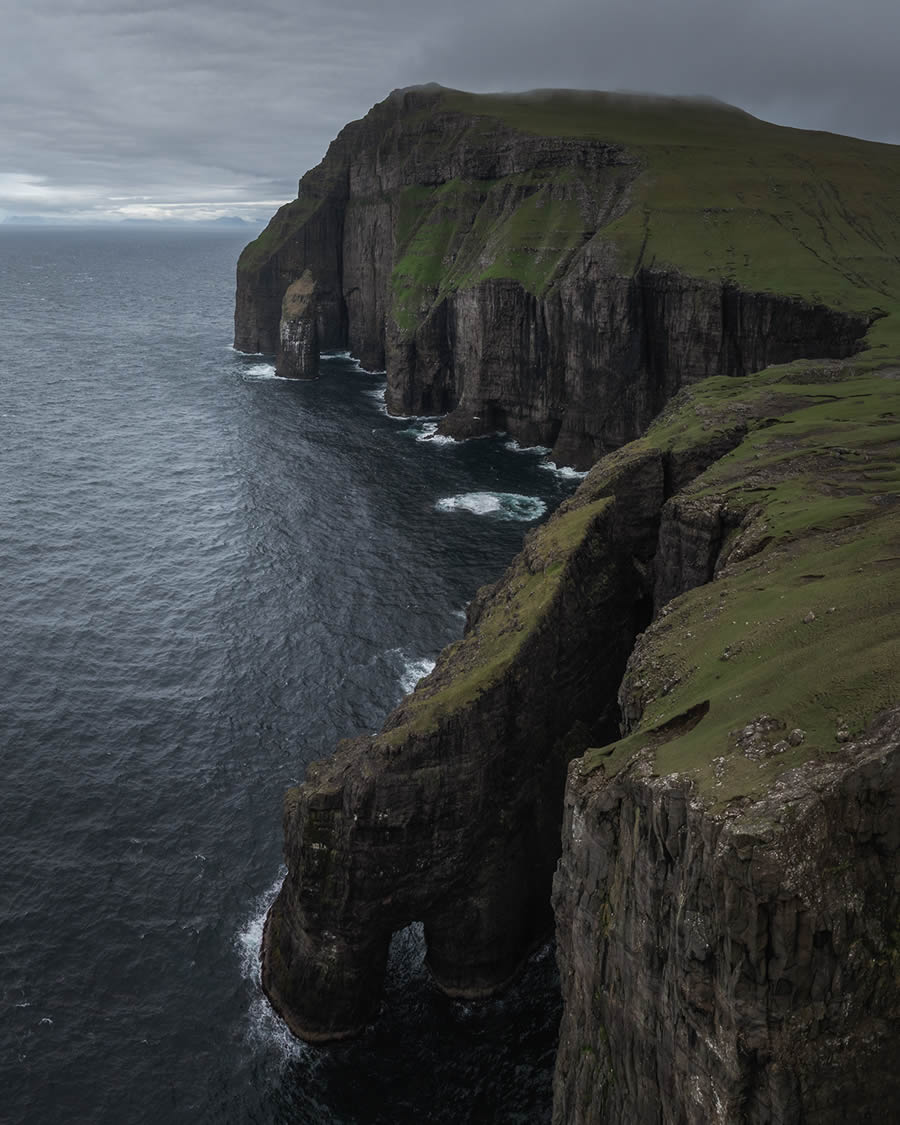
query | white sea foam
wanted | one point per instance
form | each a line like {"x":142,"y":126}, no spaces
{"x":414,"y":669}
{"x":258,"y":371}
{"x":501,"y":505}
{"x":264,"y":1025}
{"x":564,"y":471}
{"x":377,"y":394}
{"x":350,"y":359}
{"x":427,"y":431}
{"x":538,"y":450}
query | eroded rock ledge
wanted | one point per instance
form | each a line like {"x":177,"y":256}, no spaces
{"x":451,"y":815}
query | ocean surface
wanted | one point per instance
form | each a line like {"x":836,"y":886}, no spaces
{"x":209,"y":576}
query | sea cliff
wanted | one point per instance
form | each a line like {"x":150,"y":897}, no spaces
{"x":514,"y":279}
{"x":682,"y":696}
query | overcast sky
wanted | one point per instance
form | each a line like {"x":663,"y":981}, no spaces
{"x":202,"y":108}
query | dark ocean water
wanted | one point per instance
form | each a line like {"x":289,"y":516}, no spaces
{"x":209,"y":576}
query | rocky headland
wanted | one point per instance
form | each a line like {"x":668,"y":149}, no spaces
{"x":671,"y":729}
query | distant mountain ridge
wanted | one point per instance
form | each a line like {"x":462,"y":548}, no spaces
{"x":43,"y":220}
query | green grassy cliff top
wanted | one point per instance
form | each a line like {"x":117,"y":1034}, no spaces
{"x":704,"y":188}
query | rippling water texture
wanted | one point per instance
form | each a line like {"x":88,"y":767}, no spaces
{"x":209,"y":576}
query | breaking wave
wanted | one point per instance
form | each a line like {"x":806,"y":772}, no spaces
{"x":566,"y":472}
{"x":427,"y":431}
{"x":258,"y":371}
{"x":415,"y":669}
{"x":538,"y":450}
{"x":264,"y":1025}
{"x":500,"y":505}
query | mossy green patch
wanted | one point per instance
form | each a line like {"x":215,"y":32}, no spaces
{"x":524,"y":228}
{"x":529,"y":244}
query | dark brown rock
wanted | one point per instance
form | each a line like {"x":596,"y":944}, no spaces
{"x":730,"y":966}
{"x":298,"y":334}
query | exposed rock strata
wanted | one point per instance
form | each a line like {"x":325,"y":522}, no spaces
{"x":732,"y":965}
{"x":730,"y":960}
{"x":586,"y":367}
{"x":726,"y":915}
{"x":580,"y":358}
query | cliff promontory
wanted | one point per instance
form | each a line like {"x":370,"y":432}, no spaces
{"x":557,"y":266}
{"x":672,"y":727}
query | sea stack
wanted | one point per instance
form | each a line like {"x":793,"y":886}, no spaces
{"x":298,"y":334}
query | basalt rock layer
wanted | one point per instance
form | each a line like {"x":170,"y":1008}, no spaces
{"x":451,"y":815}
{"x":737,"y":964}
{"x":727,"y":892}
{"x":492,"y":266}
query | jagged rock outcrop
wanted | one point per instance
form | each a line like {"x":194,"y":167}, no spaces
{"x":451,"y":816}
{"x":298,"y":332}
{"x":472,"y":260}
{"x":732,"y":965}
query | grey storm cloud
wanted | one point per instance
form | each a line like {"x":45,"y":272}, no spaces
{"x":112,"y":107}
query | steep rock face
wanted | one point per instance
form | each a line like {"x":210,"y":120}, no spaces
{"x":345,"y":224}
{"x":298,"y":351}
{"x":586,"y":368}
{"x":315,"y":245}
{"x":728,"y":891}
{"x":451,"y":816}
{"x":730,"y":966}
{"x":691,"y":536}
{"x":470,"y":259}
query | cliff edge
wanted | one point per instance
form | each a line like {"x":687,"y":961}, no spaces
{"x":727,"y":898}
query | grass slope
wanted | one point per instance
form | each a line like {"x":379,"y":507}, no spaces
{"x":803,"y":628}
{"x":723,"y":195}
{"x":517,"y":610}
{"x":711,"y":191}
